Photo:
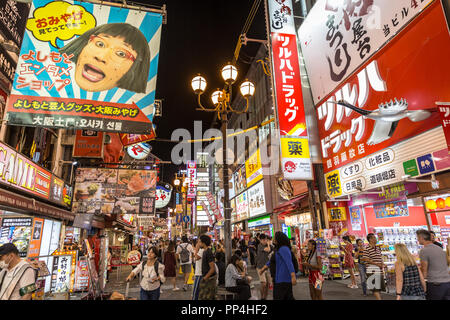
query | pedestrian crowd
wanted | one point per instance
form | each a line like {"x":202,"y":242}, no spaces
{"x":277,"y":261}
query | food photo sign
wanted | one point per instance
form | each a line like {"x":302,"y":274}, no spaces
{"x":107,"y":191}
{"x":86,"y":66}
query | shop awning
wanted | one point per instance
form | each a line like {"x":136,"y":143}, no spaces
{"x":14,"y":201}
{"x":289,"y":206}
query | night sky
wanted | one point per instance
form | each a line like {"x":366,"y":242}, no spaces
{"x":200,"y":37}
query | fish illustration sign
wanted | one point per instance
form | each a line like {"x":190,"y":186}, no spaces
{"x":86,"y":66}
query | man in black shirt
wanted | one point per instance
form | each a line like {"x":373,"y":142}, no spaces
{"x":208,"y":284}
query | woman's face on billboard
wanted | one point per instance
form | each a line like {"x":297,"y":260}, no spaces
{"x":103,"y":62}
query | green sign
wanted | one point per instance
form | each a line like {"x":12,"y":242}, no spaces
{"x":410,"y":168}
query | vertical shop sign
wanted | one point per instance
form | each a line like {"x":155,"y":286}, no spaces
{"x":205,"y":207}
{"x":214,"y":206}
{"x":59,"y":81}
{"x":296,"y":162}
{"x":192,"y":176}
{"x":36,"y":236}
{"x":253,"y":169}
{"x":444,"y":111}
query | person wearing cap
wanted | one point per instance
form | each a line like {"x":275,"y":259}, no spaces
{"x":17,"y":276}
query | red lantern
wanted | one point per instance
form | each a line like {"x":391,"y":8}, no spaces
{"x":440,"y":203}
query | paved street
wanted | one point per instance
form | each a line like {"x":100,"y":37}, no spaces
{"x":333,"y":290}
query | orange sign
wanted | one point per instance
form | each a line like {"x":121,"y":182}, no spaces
{"x":36,"y":236}
{"x":88,"y":144}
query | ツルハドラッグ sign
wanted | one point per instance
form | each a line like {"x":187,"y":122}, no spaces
{"x":86,"y":66}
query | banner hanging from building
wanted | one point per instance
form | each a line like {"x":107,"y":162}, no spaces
{"x":88,"y":144}
{"x":339,"y":36}
{"x":389,"y":126}
{"x":108,"y":191}
{"x":86,"y":66}
{"x":192,"y":176}
{"x":253,"y":169}
{"x":288,"y":90}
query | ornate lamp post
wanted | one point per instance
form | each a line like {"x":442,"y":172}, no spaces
{"x":221,"y":100}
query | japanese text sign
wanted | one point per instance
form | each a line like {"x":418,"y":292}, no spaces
{"x":287,"y":84}
{"x":338,"y":36}
{"x":444,"y":111}
{"x":337,"y":214}
{"x":87,"y":66}
{"x":398,"y":88}
{"x":253,"y":168}
{"x":88,"y":144}
{"x":192,"y":175}
{"x":163,"y":193}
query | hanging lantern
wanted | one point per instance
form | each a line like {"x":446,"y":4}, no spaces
{"x":440,"y":203}
{"x":447,"y":202}
{"x":431,"y":205}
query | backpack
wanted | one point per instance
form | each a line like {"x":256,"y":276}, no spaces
{"x":156,"y":266}
{"x":273,"y":269}
{"x":184,"y":254}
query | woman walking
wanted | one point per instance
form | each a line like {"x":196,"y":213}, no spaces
{"x":349,"y":263}
{"x":152,"y":275}
{"x":282,"y":268}
{"x":409,"y":281}
{"x":170,"y":264}
{"x":314,"y":265}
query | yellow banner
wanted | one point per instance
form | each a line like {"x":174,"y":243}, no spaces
{"x":294,"y":148}
{"x":253,"y":168}
{"x":337,"y":214}
{"x":333,"y":181}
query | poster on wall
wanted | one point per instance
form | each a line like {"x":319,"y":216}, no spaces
{"x":337,"y":214}
{"x":391,"y":209}
{"x":256,"y":199}
{"x":253,"y":169}
{"x":355,"y":218}
{"x":242,"y":206}
{"x":87,"y":66}
{"x":36,"y":236}
{"x":240,"y":183}
{"x":99,"y":190}
{"x":361,"y":152}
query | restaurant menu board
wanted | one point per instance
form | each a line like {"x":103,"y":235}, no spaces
{"x":99,"y":190}
{"x":17,"y":231}
{"x":391,"y":209}
{"x":257,"y":200}
{"x":240,"y":180}
{"x":61,"y":273}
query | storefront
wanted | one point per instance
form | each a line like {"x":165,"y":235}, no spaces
{"x":261,"y":225}
{"x":301,"y":226}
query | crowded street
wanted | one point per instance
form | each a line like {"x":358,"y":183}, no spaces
{"x":229,"y":157}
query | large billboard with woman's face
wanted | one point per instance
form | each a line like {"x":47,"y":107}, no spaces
{"x":87,"y":66}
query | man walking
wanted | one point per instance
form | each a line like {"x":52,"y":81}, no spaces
{"x":184,"y":253}
{"x":433,"y":262}
{"x":374,"y":266}
{"x":17,"y":278}
{"x":208,"y":284}
{"x":262,"y":257}
{"x":198,"y":254}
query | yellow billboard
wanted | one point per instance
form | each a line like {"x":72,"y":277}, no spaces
{"x":253,"y":168}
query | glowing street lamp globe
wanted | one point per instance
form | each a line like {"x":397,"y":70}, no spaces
{"x":247,"y":89}
{"x":215,"y":96}
{"x":198,"y":84}
{"x":229,"y":73}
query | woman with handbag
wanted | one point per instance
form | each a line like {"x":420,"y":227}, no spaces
{"x":314,"y":265}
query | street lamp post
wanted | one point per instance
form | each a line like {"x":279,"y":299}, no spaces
{"x":222,"y":102}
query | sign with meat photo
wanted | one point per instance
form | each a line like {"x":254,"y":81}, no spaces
{"x":108,"y":191}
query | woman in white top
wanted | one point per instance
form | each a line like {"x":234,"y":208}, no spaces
{"x":152,"y":276}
